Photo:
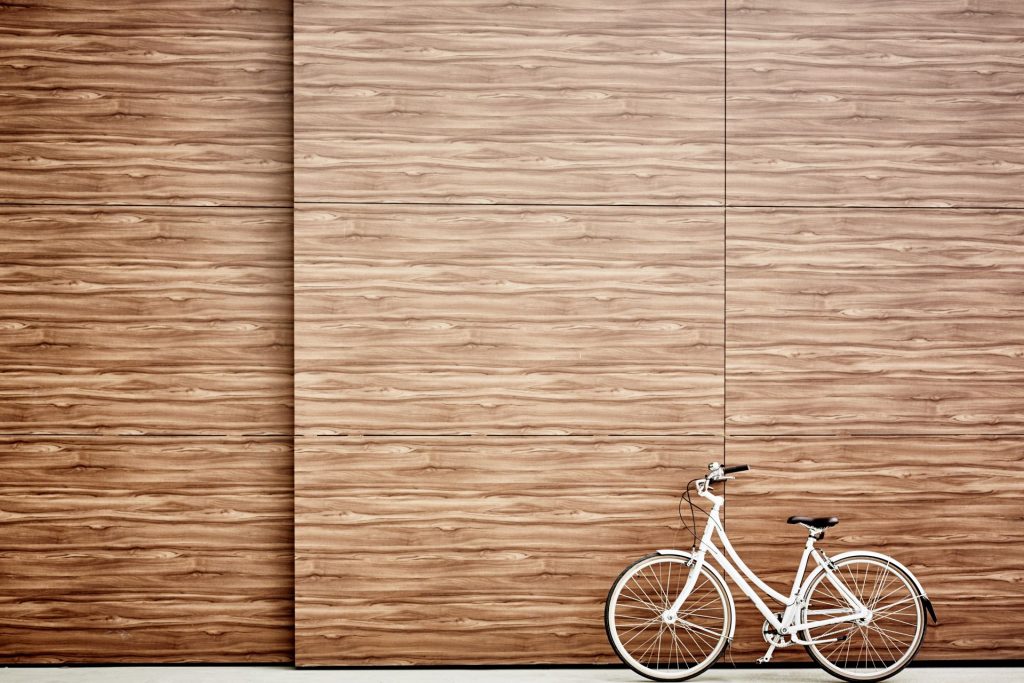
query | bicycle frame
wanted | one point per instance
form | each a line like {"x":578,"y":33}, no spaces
{"x":743,"y":576}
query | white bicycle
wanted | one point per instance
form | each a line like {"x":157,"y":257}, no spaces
{"x":860,"y":615}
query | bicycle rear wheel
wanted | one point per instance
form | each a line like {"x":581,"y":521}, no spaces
{"x":667,"y":651}
{"x":872,"y":649}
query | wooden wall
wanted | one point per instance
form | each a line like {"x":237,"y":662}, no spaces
{"x":566,"y":102}
{"x":509,"y":306}
{"x":548,"y":261}
{"x":552,"y":259}
{"x":145,"y":397}
{"x":508,"y":320}
{"x":875,"y":250}
{"x":874,"y":103}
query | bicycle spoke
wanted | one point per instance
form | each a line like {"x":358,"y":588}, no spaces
{"x":635,"y":636}
{"x":692,"y":626}
{"x":836,"y":628}
{"x":828,"y":588}
{"x":885,"y":644}
{"x":703,"y":605}
{"x":871,"y":649}
{"x":845,"y":650}
{"x":644,"y":591}
{"x":674,"y":647}
{"x":646,"y":602}
{"x":706,"y":636}
{"x":678,"y":640}
{"x":657,"y":658}
{"x":641,"y":625}
{"x":886,"y":638}
{"x":900,"y":621}
{"x":894,"y":590}
{"x":653,"y":639}
{"x":876,"y":596}
{"x":894,"y":604}
{"x":661,"y":591}
{"x":700,"y":641}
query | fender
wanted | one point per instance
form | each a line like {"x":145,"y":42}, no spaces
{"x":714,"y":570}
{"x":878,"y":556}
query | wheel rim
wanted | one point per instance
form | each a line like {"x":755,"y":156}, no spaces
{"x":648,"y":644}
{"x":881,"y":646}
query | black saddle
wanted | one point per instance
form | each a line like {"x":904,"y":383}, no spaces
{"x":816,"y":522}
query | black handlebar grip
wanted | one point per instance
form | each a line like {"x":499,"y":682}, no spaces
{"x":735,"y":468}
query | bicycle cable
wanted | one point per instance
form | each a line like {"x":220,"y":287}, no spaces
{"x":694,"y":508}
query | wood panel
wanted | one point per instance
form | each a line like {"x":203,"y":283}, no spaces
{"x":464,"y":551}
{"x":508,"y":320}
{"x":179,"y":101}
{"x":947,"y":507}
{"x":145,"y":549}
{"x":565,"y":102}
{"x":875,"y":103}
{"x":146,"y":320}
{"x":875,"y":321}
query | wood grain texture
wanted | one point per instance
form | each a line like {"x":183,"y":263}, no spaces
{"x":508,"y":320}
{"x":947,"y":507}
{"x":145,"y":549}
{"x":178,"y":102}
{"x":562,"y":102}
{"x":461,"y":550}
{"x":875,"y":103}
{"x":146,"y":320}
{"x":875,"y":321}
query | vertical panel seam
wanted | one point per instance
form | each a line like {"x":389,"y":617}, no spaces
{"x":725,"y":233}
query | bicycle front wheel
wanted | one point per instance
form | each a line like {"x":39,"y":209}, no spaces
{"x":873,"y":649}
{"x":649,"y":645}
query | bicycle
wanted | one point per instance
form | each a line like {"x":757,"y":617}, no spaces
{"x":670,"y":615}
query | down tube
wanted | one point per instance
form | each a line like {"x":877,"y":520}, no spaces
{"x":742,"y":567}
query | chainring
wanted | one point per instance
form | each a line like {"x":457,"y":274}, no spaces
{"x":771,"y":636}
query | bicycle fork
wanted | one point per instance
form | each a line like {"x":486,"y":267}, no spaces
{"x":696,"y":563}
{"x":671,"y":615}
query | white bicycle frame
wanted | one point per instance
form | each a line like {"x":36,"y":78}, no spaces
{"x":743,"y":576}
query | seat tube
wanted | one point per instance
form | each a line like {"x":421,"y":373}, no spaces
{"x":793,"y":607}
{"x":799,"y":577}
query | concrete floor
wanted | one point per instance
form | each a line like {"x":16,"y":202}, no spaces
{"x":274,"y":674}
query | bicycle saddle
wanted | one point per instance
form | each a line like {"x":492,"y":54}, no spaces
{"x":816,"y":522}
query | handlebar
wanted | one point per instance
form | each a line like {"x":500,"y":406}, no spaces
{"x":732,"y":469}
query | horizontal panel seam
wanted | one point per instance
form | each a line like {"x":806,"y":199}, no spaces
{"x":99,"y":205}
{"x":909,"y":435}
{"x":875,"y":207}
{"x":486,"y":205}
